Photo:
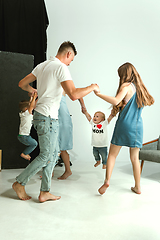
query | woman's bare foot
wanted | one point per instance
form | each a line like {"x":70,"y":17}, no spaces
{"x":45,"y":196}
{"x":136,"y":190}
{"x":103,"y":188}
{"x":97,"y":163}
{"x":20,"y":190}
{"x":65,"y":175}
{"x":27,"y":157}
{"x":104,"y":166}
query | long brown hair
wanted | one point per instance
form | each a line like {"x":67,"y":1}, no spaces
{"x":128,"y":73}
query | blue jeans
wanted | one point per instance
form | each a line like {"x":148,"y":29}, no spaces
{"x":29,"y":142}
{"x":100,"y":151}
{"x":47,"y":130}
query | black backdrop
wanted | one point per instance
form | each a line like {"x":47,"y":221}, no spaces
{"x":23,"y":25}
{"x":13,"y":66}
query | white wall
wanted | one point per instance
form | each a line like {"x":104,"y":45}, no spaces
{"x":107,"y":34}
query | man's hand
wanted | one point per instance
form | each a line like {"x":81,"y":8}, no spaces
{"x":31,"y":94}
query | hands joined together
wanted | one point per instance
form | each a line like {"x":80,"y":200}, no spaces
{"x":33,"y":95}
{"x":96,"y":88}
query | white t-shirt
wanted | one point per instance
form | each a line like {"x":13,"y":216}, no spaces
{"x":25,"y":123}
{"x":49,"y":76}
{"x":99,"y":134}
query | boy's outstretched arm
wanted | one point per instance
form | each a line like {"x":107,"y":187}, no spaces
{"x":110,"y":116}
{"x":88,"y":116}
{"x":84,"y":110}
{"x":83,"y":107}
{"x":32,"y":103}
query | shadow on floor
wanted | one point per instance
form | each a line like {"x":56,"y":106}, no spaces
{"x":150,"y":170}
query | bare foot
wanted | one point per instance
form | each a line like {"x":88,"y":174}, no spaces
{"x":45,"y":196}
{"x":27,"y":157}
{"x":65,"y":175}
{"x":20,"y":190}
{"x":136,"y":190}
{"x":104,"y":166}
{"x":103,"y":188}
{"x":97,"y":163}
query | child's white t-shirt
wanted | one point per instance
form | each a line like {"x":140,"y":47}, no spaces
{"x":49,"y":76}
{"x":99,"y":134}
{"x":25,"y":123}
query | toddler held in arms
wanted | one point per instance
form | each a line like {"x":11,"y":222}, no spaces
{"x":26,"y":118}
{"x":99,"y":136}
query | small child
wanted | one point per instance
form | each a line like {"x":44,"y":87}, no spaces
{"x":99,"y":136}
{"x":26,"y":118}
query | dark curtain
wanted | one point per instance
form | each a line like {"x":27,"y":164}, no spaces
{"x":23,"y":25}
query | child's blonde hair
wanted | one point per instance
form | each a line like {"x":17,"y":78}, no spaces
{"x":23,"y":105}
{"x":128,"y":73}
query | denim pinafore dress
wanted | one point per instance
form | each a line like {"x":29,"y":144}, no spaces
{"x":65,"y":126}
{"x":128,"y":130}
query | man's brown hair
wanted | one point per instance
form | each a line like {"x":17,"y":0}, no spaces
{"x":66,"y":46}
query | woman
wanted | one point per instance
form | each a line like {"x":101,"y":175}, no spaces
{"x":65,"y":135}
{"x":130,"y":99}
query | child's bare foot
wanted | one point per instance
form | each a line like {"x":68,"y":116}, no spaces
{"x":104,"y":166}
{"x":27,"y":157}
{"x":103,"y":188}
{"x":136,"y":190}
{"x":45,"y":196}
{"x":20,"y":190}
{"x":65,"y":175}
{"x":97,"y":163}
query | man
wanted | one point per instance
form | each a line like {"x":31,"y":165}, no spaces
{"x":52,"y":77}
